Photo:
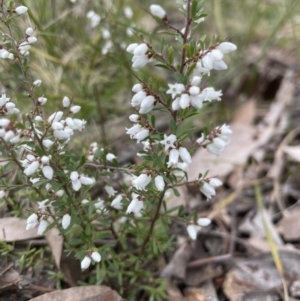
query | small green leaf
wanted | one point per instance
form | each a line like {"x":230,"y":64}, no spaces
{"x":173,"y":126}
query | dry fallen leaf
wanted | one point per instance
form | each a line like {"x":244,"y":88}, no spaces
{"x":82,"y":293}
{"x":13,"y":229}
{"x":259,"y":275}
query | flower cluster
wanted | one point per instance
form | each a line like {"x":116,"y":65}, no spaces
{"x":191,"y":95}
{"x":216,"y":141}
{"x":141,"y":54}
{"x":212,"y":59}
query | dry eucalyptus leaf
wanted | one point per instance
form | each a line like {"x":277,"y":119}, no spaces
{"x":14,"y":229}
{"x":9,"y":278}
{"x":55,"y":242}
{"x":82,"y":293}
{"x":206,"y":292}
{"x":259,"y":274}
{"x":289,"y":225}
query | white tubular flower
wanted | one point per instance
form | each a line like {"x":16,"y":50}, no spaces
{"x":140,"y":57}
{"x":207,"y":62}
{"x":214,"y":182}
{"x":132,"y":47}
{"x":138,"y":98}
{"x":37,"y":82}
{"x":57,"y":126}
{"x":62,"y":134}
{"x":76,"y":184}
{"x":42,"y":227}
{"x":175,"y":104}
{"x":66,"y":220}
{"x":184,"y":101}
{"x":203,"y":221}
{"x":38,"y":118}
{"x":169,"y":141}
{"x":147,"y":105}
{"x":110,"y":191}
{"x":220,"y":65}
{"x":141,"y":135}
{"x":3,"y":100}
{"x":159,"y":183}
{"x":210,"y":94}
{"x":96,"y":256}
{"x":141,"y":181}
{"x":110,"y":157}
{"x":216,"y":55}
{"x":66,"y":102}
{"x":47,"y":172}
{"x":32,"y":221}
{"x":21,"y":10}
{"x":55,"y":116}
{"x":85,"y":263}
{"x":157,"y":11}
{"x":31,"y":168}
{"x":139,"y":61}
{"x":47,"y":143}
{"x":226,"y":47}
{"x":117,"y":202}
{"x":2,"y":194}
{"x":193,"y":230}
{"x":86,"y":180}
{"x":197,"y":101}
{"x":208,"y":190}
{"x":173,"y":158}
{"x":135,"y":207}
{"x":133,"y":130}
{"x":216,"y":147}
{"x":175,"y":89}
{"x":185,"y":155}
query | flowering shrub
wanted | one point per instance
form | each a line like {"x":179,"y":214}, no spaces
{"x":133,"y":216}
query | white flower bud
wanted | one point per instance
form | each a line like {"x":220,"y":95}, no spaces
{"x":134,"y":118}
{"x":55,"y":116}
{"x":31,"y":168}
{"x":66,"y":220}
{"x":29,"y":31}
{"x":141,"y":181}
{"x":37,"y":83}
{"x":110,"y":191}
{"x":66,"y":102}
{"x":32,"y":40}
{"x":110,"y":157}
{"x":157,"y":11}
{"x":85,"y":263}
{"x":117,"y":202}
{"x":2,"y":194}
{"x":137,"y":88}
{"x":32,"y":221}
{"x":226,"y":47}
{"x":47,"y":143}
{"x":42,"y":227}
{"x":47,"y":172}
{"x":75,"y":109}
{"x":203,"y":221}
{"x":96,"y":256}
{"x":86,"y":180}
{"x":21,"y":10}
{"x":193,"y":230}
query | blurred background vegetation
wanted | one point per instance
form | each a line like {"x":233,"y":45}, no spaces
{"x":91,"y":66}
